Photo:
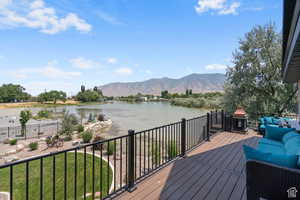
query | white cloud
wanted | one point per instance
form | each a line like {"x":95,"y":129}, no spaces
{"x":49,"y":71}
{"x":148,"y":71}
{"x":215,"y":67}
{"x":35,"y":14}
{"x":230,"y":10}
{"x":124,"y":71}
{"x":221,"y":7}
{"x":83,"y":63}
{"x":112,"y":60}
{"x":108,"y":18}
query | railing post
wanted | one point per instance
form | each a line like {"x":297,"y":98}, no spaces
{"x":211,"y":119}
{"x":130,"y":168}
{"x":183,"y":137}
{"x":207,"y":127}
{"x":216,"y":116}
{"x":222,"y":118}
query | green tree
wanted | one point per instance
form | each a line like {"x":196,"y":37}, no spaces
{"x":13,"y":93}
{"x":82,"y":88}
{"x":53,"y":95}
{"x":187,"y":92}
{"x":25,"y":116}
{"x":255,"y":82}
{"x":165,"y":94}
{"x":88,"y":96}
{"x":98,"y":90}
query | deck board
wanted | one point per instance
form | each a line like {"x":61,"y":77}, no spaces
{"x":214,"y":170}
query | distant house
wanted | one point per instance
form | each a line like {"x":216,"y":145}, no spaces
{"x":143,"y":98}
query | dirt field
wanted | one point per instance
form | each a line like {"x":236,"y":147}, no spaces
{"x":37,"y":104}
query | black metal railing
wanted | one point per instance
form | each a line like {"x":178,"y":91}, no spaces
{"x":105,"y":168}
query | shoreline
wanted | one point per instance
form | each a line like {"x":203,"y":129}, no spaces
{"x":44,"y":105}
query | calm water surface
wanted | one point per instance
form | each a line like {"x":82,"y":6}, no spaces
{"x":125,"y":116}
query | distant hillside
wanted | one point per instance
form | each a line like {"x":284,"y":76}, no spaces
{"x":196,"y":82}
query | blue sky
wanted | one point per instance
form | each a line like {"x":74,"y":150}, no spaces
{"x":50,"y":44}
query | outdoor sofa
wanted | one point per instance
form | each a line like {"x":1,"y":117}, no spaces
{"x":271,"y":121}
{"x":273,"y":167}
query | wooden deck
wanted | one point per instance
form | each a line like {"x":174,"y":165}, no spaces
{"x":214,"y":170}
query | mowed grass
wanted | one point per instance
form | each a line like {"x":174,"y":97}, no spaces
{"x":102,"y":178}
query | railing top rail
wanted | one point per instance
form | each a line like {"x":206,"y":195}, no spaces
{"x":201,"y":117}
{"x":158,"y":127}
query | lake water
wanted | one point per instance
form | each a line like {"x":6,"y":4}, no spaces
{"x":125,"y":116}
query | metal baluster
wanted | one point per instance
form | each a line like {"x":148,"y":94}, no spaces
{"x":53,"y":177}
{"x":11,"y":182}
{"x":93,"y":172}
{"x":41,"y":178}
{"x":84,"y":178}
{"x":75,"y":175}
{"x":27,"y":180}
{"x":65,"y":178}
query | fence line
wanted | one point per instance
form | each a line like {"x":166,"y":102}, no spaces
{"x":107,"y":167}
{"x":32,"y":131}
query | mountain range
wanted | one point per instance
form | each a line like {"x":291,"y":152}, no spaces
{"x":197,"y":82}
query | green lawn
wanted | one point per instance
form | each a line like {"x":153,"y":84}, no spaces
{"x":19,"y":177}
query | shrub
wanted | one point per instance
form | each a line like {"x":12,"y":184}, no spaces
{"x":87,"y":136}
{"x":33,"y":146}
{"x":110,"y":148}
{"x":98,"y":138}
{"x":91,"y":118}
{"x":13,"y":141}
{"x":80,"y":128}
{"x":68,"y":124}
{"x":68,"y":138}
{"x":172,"y":149}
{"x":101,"y":118}
{"x":156,"y":157}
{"x":44,"y":114}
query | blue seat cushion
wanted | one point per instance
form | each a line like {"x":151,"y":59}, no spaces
{"x":292,"y":146}
{"x":261,"y":120}
{"x":289,"y":136}
{"x":267,"y":148}
{"x":276,"y":121}
{"x":268,"y":120}
{"x":271,"y":142}
{"x":251,"y":153}
{"x":276,"y":133}
{"x":285,"y":160}
{"x":262,"y":127}
{"x":278,"y":159}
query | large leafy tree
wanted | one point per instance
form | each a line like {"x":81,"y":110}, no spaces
{"x":89,"y":96}
{"x":255,"y":81}
{"x":53,"y":95}
{"x":13,"y":93}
